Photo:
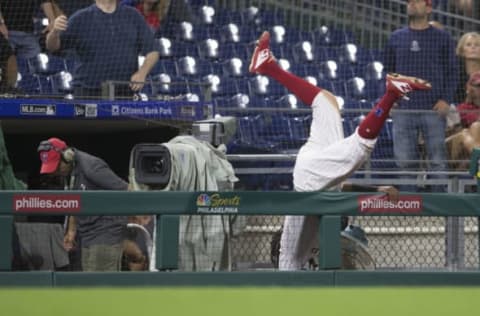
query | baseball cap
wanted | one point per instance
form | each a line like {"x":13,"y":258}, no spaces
{"x":474,"y":78}
{"x":50,"y":154}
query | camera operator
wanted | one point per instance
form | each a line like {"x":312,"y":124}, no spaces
{"x":101,"y":237}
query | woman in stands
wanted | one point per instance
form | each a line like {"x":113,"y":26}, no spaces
{"x":462,"y":143}
{"x":468,"y":51}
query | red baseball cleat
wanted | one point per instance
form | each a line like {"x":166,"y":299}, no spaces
{"x":404,"y":84}
{"x":261,"y":54}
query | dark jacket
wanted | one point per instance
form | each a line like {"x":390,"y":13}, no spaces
{"x":428,"y":54}
{"x":92,"y":173}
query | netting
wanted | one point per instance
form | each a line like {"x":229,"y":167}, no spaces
{"x":204,"y":52}
{"x":206,"y":45}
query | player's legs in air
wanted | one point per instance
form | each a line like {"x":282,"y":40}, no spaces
{"x":326,"y":159}
{"x":326,"y":120}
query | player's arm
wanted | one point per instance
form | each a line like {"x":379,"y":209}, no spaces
{"x":391,"y":191}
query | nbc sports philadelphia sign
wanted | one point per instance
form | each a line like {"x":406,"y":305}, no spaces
{"x":217,"y":204}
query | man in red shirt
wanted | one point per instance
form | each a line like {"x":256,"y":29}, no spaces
{"x":470,"y":109}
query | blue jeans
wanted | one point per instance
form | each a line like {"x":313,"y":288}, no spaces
{"x":406,"y":128}
{"x":25,"y":45}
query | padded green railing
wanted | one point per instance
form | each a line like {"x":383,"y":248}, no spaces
{"x":168,"y":205}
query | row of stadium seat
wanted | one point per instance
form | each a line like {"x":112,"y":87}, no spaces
{"x":241,"y":103}
{"x":277,"y":132}
{"x":191,"y":67}
{"x":177,"y":58}
{"x":230,"y":90}
{"x":56,"y":84}
{"x":342,"y":79}
{"x":235,"y":33}
{"x":298,"y":52}
{"x":215,"y":22}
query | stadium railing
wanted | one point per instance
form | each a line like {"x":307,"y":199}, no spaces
{"x":169,"y":205}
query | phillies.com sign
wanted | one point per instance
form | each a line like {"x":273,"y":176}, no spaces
{"x":46,"y":202}
{"x":412,"y":204}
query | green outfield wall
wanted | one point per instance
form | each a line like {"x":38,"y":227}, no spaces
{"x":297,"y":278}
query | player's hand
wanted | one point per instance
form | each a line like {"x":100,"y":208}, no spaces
{"x":69,"y":241}
{"x":60,"y":24}
{"x":442,"y":107}
{"x":137,"y":81}
{"x":392,"y":192}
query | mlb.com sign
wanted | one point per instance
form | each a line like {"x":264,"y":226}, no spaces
{"x":411,"y":204}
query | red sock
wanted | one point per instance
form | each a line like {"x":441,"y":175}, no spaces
{"x":370,"y":127}
{"x":302,"y":89}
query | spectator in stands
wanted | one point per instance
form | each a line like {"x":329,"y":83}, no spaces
{"x":153,"y":11}
{"x":175,"y":12}
{"x":16,"y":24}
{"x":466,"y":8}
{"x":69,"y":7}
{"x":8,"y":66}
{"x":470,"y":109}
{"x":468,"y":51}
{"x":101,"y":237}
{"x":427,"y":52}
{"x":327,"y":158}
{"x":107,"y":38}
{"x":461,"y":144}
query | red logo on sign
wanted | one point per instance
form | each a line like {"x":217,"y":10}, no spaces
{"x":46,"y":202}
{"x":381,"y":204}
